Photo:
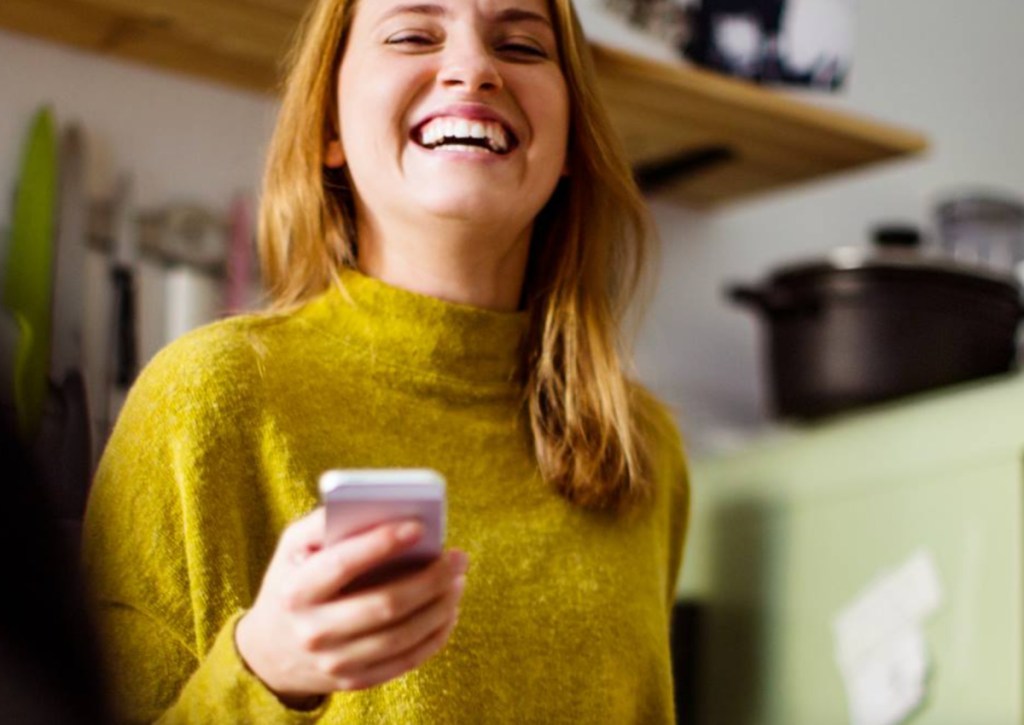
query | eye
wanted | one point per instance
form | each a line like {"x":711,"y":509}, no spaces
{"x":517,"y":47}
{"x":410,"y":39}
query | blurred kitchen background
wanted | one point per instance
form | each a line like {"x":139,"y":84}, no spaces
{"x":856,"y":553}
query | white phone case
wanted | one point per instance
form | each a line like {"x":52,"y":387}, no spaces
{"x":359,"y":499}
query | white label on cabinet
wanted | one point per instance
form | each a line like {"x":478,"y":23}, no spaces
{"x":879,"y":642}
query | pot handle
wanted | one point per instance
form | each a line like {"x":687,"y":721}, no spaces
{"x":770,"y":300}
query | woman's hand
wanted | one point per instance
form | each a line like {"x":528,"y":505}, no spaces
{"x":304,"y":638}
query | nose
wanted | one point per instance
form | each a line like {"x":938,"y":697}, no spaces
{"x":469,"y":66}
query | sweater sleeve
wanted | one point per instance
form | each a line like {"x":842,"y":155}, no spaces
{"x":679,"y":513}
{"x":168,"y":595}
{"x":673,"y":481}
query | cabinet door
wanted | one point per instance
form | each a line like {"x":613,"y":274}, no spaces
{"x":775,"y":572}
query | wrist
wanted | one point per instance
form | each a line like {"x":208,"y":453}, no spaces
{"x":248,"y":649}
{"x":244,"y":642}
{"x":246,"y":646}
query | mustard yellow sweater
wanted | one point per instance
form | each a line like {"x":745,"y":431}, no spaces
{"x":565,"y":616}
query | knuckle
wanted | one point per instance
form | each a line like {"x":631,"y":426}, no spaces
{"x":386,"y":608}
{"x":348,"y":684}
{"x":443,"y":577}
{"x":325,"y":667}
{"x":310,"y":638}
{"x":343,"y":567}
{"x":291,"y":597}
{"x":386,"y":543}
{"x":397,"y":641}
{"x":336,"y":666}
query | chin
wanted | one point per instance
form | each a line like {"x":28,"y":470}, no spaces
{"x":466,"y":207}
{"x":488,"y":204}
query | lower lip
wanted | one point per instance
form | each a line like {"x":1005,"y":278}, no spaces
{"x":485,"y":157}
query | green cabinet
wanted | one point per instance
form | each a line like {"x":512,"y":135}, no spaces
{"x":788,"y":532}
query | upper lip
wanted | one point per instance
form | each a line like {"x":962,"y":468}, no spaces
{"x":471,"y":112}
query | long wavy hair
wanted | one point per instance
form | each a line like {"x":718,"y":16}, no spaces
{"x":591,"y":241}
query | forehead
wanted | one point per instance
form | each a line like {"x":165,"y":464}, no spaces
{"x":499,"y":10}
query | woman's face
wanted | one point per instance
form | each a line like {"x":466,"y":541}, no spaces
{"x":452,"y":109}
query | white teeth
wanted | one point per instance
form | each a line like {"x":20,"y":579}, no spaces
{"x":439,"y":129}
{"x":496,"y":135}
{"x":463,"y":147}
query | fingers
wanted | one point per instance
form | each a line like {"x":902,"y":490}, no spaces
{"x":303,"y":537}
{"x":385,"y":644}
{"x":381,"y":607}
{"x":326,"y":572}
{"x":305,"y":635}
{"x":402,"y":663}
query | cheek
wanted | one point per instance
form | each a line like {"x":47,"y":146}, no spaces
{"x":553,"y":103}
{"x":550,"y":113}
{"x":374,"y":101}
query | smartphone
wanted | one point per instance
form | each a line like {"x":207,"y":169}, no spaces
{"x":359,"y":499}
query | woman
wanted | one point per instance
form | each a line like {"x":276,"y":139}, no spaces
{"x":450,"y":235}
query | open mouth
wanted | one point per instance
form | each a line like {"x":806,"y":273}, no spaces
{"x":450,"y":133}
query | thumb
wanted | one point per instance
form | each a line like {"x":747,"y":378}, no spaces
{"x":303,"y":536}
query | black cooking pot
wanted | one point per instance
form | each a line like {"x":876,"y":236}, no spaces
{"x":862,"y":327}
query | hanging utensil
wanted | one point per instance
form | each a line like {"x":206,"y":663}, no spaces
{"x":184,"y":234}
{"x":29,"y":278}
{"x":123,"y":362}
{"x":63,"y":446}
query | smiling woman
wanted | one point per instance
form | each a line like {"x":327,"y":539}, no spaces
{"x":450,"y":236}
{"x":459,"y":69}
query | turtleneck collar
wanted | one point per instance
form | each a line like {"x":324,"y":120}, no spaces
{"x":425,"y":334}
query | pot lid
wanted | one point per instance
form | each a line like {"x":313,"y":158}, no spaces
{"x":850,"y":259}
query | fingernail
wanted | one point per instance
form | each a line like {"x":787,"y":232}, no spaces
{"x":409,"y":532}
{"x":459,"y":585}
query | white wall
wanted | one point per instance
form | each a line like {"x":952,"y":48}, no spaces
{"x":182,"y":140}
{"x":946,"y":67}
{"x":949,"y":68}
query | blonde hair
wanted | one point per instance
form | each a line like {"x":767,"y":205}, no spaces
{"x":587,"y":259}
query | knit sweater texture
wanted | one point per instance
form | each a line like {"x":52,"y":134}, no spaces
{"x":565,"y":615}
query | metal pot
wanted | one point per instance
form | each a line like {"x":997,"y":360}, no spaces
{"x":862,"y":327}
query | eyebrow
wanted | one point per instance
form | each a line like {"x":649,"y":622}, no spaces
{"x":519,"y":15}
{"x":415,"y":9}
{"x":509,"y":15}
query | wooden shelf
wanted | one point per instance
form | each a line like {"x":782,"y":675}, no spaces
{"x":767,"y":139}
{"x":737,"y":138}
{"x":237,"y":42}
